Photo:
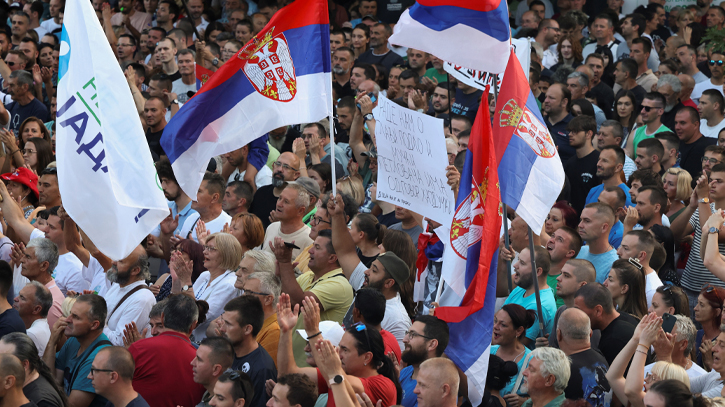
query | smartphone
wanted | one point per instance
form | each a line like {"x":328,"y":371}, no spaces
{"x":291,"y":245}
{"x":372,"y":97}
{"x":668,"y":322}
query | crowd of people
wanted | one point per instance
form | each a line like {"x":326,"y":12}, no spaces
{"x":268,"y":289}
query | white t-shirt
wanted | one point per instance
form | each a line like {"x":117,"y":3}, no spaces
{"x":68,"y":274}
{"x":50,"y":25}
{"x":713,"y":131}
{"x":212,"y":226}
{"x":181,"y":89}
{"x":694,"y":371}
{"x":652,"y":281}
{"x":301,"y":238}
{"x":39,"y":332}
{"x":396,"y":320}
{"x":701,"y":87}
{"x":41,"y":31}
{"x":264,"y":176}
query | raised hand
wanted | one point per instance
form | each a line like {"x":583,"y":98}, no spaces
{"x":201,"y":232}
{"x":282,"y":253}
{"x":286,"y":316}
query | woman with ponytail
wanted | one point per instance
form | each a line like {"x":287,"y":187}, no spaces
{"x":40,"y":385}
{"x":368,"y":234}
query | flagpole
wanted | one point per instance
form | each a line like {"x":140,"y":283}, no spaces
{"x":507,"y":243}
{"x":536,"y":281}
{"x":450,"y":111}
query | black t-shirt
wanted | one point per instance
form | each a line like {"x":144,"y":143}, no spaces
{"x":19,"y":113}
{"x":154,"y":140}
{"x":10,"y":322}
{"x":41,"y":392}
{"x":388,"y":219}
{"x":615,"y":336}
{"x":588,"y":378}
{"x":389,"y":11}
{"x":263,"y":203}
{"x":343,"y":90}
{"x":467,"y":105}
{"x":668,"y":118}
{"x":388,"y":60}
{"x":137,"y":402}
{"x":31,"y":404}
{"x":260,"y":367}
{"x":174,"y":76}
{"x":582,"y":174}
{"x":367,"y":261}
{"x":691,"y":154}
{"x":638,"y":92}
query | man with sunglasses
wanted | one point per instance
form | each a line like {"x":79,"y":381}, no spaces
{"x":711,"y":112}
{"x":715,"y":63}
{"x":653,"y":107}
{"x":112,"y":376}
{"x":284,"y":170}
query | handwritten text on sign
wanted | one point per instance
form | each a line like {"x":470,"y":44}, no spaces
{"x":412,"y":161}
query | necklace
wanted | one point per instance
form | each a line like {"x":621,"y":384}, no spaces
{"x":519,"y":355}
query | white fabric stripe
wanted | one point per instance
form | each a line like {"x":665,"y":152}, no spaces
{"x":544,"y":186}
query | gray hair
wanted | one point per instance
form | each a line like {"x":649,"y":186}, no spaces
{"x":268,"y":283}
{"x":685,"y":331}
{"x":158,"y":308}
{"x":24,"y":78}
{"x":576,"y":331}
{"x":45,"y":250}
{"x":303,"y":197}
{"x":554,"y":361}
{"x":672,"y":80}
{"x":143,"y":264}
{"x":43,"y":297}
{"x":616,"y":127}
{"x":583,"y":79}
{"x":264,"y":262}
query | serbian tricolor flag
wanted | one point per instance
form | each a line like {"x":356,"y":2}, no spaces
{"x":470,"y":258}
{"x":474,"y":34}
{"x":529,"y":163}
{"x":281,"y":77}
{"x":202,"y":75}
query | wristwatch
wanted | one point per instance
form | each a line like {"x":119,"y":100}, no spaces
{"x":368,"y":116}
{"x":705,"y":200}
{"x":336,"y":380}
{"x":175,"y":101}
{"x":215,"y":61}
{"x":185,"y":288}
{"x":713,"y":230}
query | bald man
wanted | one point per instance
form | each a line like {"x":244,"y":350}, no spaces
{"x":587,"y":365}
{"x":12,"y":379}
{"x":285,"y":169}
{"x":688,"y":84}
{"x":112,"y":375}
{"x":437,"y":383}
{"x":129,"y":299}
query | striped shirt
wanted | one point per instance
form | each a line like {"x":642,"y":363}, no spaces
{"x":696,"y":275}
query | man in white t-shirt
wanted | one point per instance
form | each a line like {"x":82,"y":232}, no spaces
{"x":238,"y":158}
{"x":291,"y":207}
{"x":33,"y":303}
{"x":53,"y":23}
{"x":716,"y":79}
{"x":684,"y":334}
{"x":208,"y":206}
{"x":67,"y":273}
{"x":711,"y":112}
{"x":187,"y":83}
{"x":639,"y":245}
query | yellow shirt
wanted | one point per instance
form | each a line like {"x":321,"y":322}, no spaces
{"x":268,"y":336}
{"x":335,"y":295}
{"x":303,"y":259}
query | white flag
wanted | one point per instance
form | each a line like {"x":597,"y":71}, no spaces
{"x":107,"y":179}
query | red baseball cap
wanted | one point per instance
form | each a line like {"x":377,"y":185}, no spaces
{"x":23,"y":176}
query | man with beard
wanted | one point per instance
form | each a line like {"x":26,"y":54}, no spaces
{"x":286,"y":169}
{"x":670,"y":87}
{"x":582,"y":167}
{"x":440,"y":101}
{"x":426,"y":339}
{"x":388,"y":274}
{"x":379,"y":53}
{"x":129,"y":299}
{"x":134,"y":21}
{"x":84,"y":330}
{"x":179,"y":202}
{"x":524,"y":295}
{"x":342,"y":60}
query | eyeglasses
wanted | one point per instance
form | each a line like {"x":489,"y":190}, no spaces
{"x":284,"y":166}
{"x":557,"y":29}
{"x":94,"y":371}
{"x":359,"y":326}
{"x":412,"y":335}
{"x":712,"y":161}
{"x":210,"y":248}
{"x":718,"y":62}
{"x":245,"y":291}
{"x":316,"y":221}
{"x":28,"y":151}
{"x":648,"y":108}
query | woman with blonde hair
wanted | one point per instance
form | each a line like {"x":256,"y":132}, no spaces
{"x":353,"y":187}
{"x":678,"y":186}
{"x":222,"y":255}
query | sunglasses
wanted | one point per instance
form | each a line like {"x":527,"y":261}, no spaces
{"x":635,"y":262}
{"x":235,"y":376}
{"x":648,"y":108}
{"x":718,"y":62}
{"x":711,"y":288}
{"x":10,"y":63}
{"x":359,"y":326}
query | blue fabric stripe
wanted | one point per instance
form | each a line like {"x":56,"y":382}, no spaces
{"x":305,"y":44}
{"x":495,"y":23}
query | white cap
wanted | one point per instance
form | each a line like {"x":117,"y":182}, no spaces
{"x":331,"y":330}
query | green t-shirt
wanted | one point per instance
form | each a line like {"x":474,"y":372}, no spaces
{"x":551,"y":282}
{"x":641,"y":134}
{"x":433,"y":73}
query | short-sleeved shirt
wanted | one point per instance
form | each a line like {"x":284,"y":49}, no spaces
{"x":582,"y":175}
{"x":711,"y":131}
{"x":696,"y":275}
{"x":548,"y":308}
{"x":213,"y":226}
{"x":588,"y":378}
{"x":10,"y":322}
{"x":68,"y":274}
{"x":407,"y":383}
{"x":641,"y":134}
{"x":376,"y":387}
{"x":561,"y":137}
{"x":18,"y":113}
{"x":602,"y":262}
{"x":137,"y":402}
{"x":467,"y":104}
{"x":334,"y":293}
{"x":67,"y":360}
{"x":551,"y":282}
{"x":41,"y":392}
{"x":388,"y":60}
{"x":301,"y":237}
{"x":691,"y":155}
{"x":594,"y":193}
{"x":260,"y":367}
{"x":615,"y":336}
{"x":268,"y":336}
{"x":413,"y":232}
